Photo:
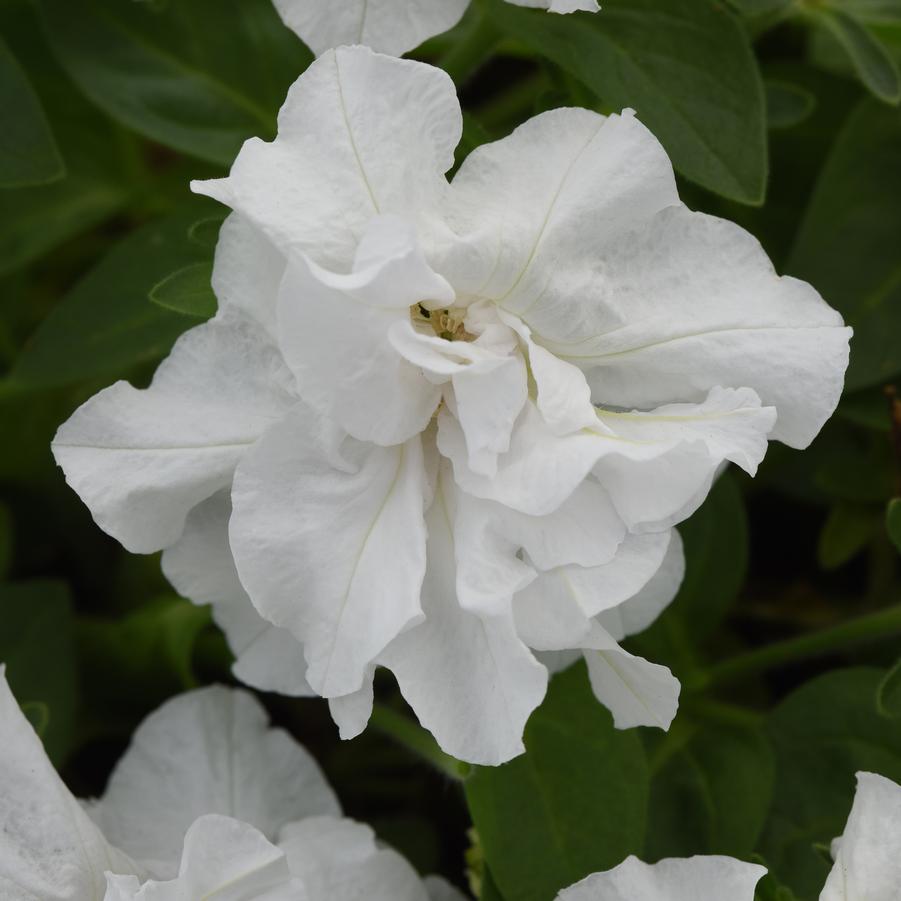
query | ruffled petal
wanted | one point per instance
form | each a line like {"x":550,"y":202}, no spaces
{"x":359,"y":135}
{"x":388,"y":26}
{"x":141,"y":459}
{"x":351,"y":712}
{"x":207,"y":752}
{"x":331,"y":546}
{"x":672,"y":879}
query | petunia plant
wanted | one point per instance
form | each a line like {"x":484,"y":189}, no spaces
{"x":502,"y":402}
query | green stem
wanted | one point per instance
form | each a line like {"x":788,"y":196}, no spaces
{"x":413,"y":737}
{"x":473,"y":49}
{"x":874,"y":626}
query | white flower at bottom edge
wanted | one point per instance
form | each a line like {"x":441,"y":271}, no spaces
{"x":674,"y":879}
{"x":206,"y":797}
{"x":868,"y":855}
{"x":600,"y":352}
{"x":389,"y":26}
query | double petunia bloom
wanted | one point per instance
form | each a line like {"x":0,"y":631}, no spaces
{"x":447,"y":428}
{"x":389,"y":26}
{"x":207,"y":802}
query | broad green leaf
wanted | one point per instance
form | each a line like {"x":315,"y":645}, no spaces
{"x":823,"y":734}
{"x":787,"y":104}
{"x":848,"y":242}
{"x":28,"y":151}
{"x":105,"y":325}
{"x":38,"y":648}
{"x":187,"y":290}
{"x":716,"y":562}
{"x":872,"y":62}
{"x":876,"y":12}
{"x":893,"y":521}
{"x":151,"y":654}
{"x":35,"y":220}
{"x":888,"y":693}
{"x":200,"y":77}
{"x":846,"y":532}
{"x":712,"y":795}
{"x":685,"y":66}
{"x":575,"y":803}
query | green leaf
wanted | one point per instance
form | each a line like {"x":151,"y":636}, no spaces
{"x":6,"y":540}
{"x":846,"y":532}
{"x":574,"y":804}
{"x":787,"y":104}
{"x":876,"y":12}
{"x":28,"y":151}
{"x":188,"y":291}
{"x":38,"y":648}
{"x":35,"y":220}
{"x":200,"y":77}
{"x":686,"y":67}
{"x":893,"y":521}
{"x":823,"y":734}
{"x":848,"y":242}
{"x":712,"y":795}
{"x":872,"y":62}
{"x":104,"y":326}
{"x":888,"y":693}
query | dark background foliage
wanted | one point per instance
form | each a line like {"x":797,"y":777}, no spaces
{"x":779,"y":114}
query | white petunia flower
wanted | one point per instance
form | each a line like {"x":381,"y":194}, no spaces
{"x":388,"y":26}
{"x":868,"y":855}
{"x":673,"y":879}
{"x":206,"y":798}
{"x":437,"y":427}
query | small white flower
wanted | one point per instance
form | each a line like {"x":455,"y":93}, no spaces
{"x":206,"y":798}
{"x":673,"y":879}
{"x":388,"y":26}
{"x":868,"y":855}
{"x":437,"y":426}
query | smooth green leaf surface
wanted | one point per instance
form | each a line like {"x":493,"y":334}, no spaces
{"x":787,"y":104}
{"x":38,"y":648}
{"x":106,"y":324}
{"x":845,"y":533}
{"x":712,"y":796}
{"x":888,"y":693}
{"x":200,"y":77}
{"x":872,"y":62}
{"x":28,"y":151}
{"x":823,"y":734}
{"x":687,"y":69}
{"x":893,"y":521}
{"x":574,"y":804}
{"x":187,"y":290}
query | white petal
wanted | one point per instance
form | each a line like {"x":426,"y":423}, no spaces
{"x":689,"y":302}
{"x":469,"y":678}
{"x":868,"y":862}
{"x":351,"y":712}
{"x":359,"y":135}
{"x":635,"y":614}
{"x":50,"y":850}
{"x":535,"y":208}
{"x":207,"y":752}
{"x":663,"y":462}
{"x":336,"y":555}
{"x":388,"y":26}
{"x":223,"y":858}
{"x":141,"y":460}
{"x":673,"y":879}
{"x":334,"y":336}
{"x":441,"y":890}
{"x":339,"y":860}
{"x":247,"y":272}
{"x":554,"y":611}
{"x":560,"y":6}
{"x":201,"y":567}
{"x":636,"y":692}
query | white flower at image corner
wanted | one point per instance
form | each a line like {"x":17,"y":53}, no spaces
{"x":674,"y":879}
{"x":207,"y":802}
{"x":440,"y":426}
{"x":388,"y":26}
{"x":868,"y":855}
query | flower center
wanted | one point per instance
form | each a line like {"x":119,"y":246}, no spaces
{"x":447,"y":323}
